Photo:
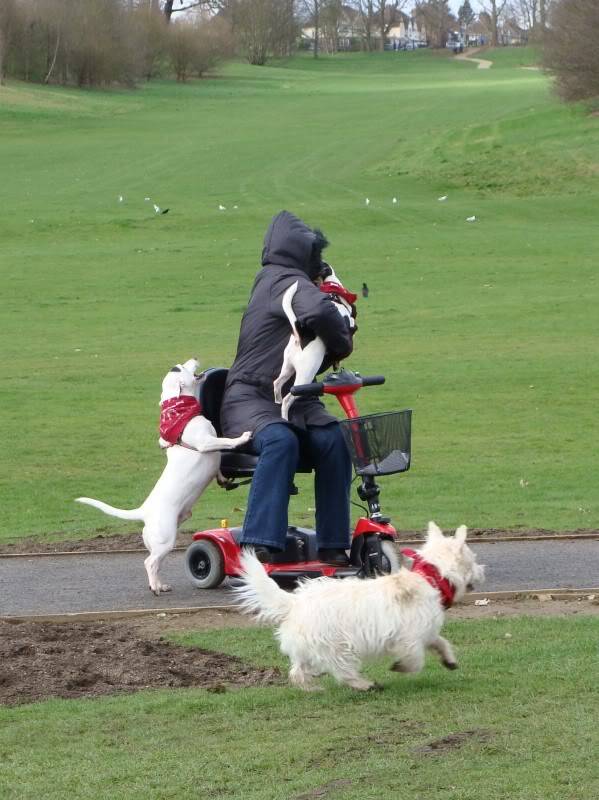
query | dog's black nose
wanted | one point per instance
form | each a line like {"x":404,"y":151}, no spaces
{"x":176,"y":369}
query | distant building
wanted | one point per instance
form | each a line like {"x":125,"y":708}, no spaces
{"x":349,"y":32}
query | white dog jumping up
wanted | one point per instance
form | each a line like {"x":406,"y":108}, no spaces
{"x":330,"y":626}
{"x":303,"y":363}
{"x":193,"y":461}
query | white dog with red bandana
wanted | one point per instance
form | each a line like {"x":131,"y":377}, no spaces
{"x":328,"y":626}
{"x":303,"y":362}
{"x":193,"y":461}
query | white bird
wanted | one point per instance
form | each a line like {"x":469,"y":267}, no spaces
{"x":156,"y":208}
{"x":146,"y":199}
{"x":442,"y":199}
{"x":470,"y":219}
{"x":395,"y":201}
{"x":222,"y":208}
{"x":235,"y":207}
{"x":367,"y":202}
{"x":120,"y":198}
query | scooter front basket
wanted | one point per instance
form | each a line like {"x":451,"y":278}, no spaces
{"x":379,"y":444}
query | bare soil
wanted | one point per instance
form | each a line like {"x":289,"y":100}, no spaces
{"x":133,"y":541}
{"x":39,"y":660}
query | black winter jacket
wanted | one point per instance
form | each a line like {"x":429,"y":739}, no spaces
{"x":248,"y":402}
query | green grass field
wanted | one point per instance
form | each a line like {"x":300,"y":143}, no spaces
{"x":516,"y":722}
{"x":487,"y":330}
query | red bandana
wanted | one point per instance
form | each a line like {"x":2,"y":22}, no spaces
{"x":175,"y":414}
{"x":431,"y":574}
{"x":329,"y":287}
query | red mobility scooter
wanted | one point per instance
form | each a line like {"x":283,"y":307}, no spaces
{"x":379,"y":444}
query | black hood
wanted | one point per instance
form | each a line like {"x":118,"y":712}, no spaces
{"x":289,"y":242}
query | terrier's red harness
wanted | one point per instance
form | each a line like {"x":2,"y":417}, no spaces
{"x":432,"y":575}
{"x":330,"y":287}
{"x":174,"y":416}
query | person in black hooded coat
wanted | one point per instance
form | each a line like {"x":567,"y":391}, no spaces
{"x":292,"y":252}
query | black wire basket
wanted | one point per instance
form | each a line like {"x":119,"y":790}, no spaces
{"x":379,"y":444}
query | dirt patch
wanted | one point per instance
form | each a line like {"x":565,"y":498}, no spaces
{"x":133,"y":541}
{"x":101,"y":542}
{"x":42,"y":660}
{"x":545,"y":605}
{"x":39,"y":660}
{"x":452,"y":741}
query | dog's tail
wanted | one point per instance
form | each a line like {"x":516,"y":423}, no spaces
{"x":260,"y":595}
{"x":123,"y":513}
{"x":288,"y":308}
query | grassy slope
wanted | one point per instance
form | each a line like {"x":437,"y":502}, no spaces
{"x":530,"y":694}
{"x":486,"y":330}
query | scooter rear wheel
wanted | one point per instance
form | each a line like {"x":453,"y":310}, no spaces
{"x":204,"y":565}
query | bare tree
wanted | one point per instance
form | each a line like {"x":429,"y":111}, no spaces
{"x":313,"y":8}
{"x":171,"y":7}
{"x":526,"y":12}
{"x":331,"y":16}
{"x":494,"y":10}
{"x":263,"y":28}
{"x":388,"y":14}
{"x":437,"y":19}
{"x":9,"y":20}
{"x":570,"y":48}
{"x":368,"y":16}
{"x":151,"y":35}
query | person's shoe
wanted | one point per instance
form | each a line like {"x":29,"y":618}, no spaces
{"x":262,"y":553}
{"x":335,"y":556}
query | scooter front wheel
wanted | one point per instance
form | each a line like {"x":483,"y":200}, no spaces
{"x":204,"y":565}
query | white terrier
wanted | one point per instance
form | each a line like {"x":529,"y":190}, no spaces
{"x":305,"y":362}
{"x":193,"y":461}
{"x":330,"y":626}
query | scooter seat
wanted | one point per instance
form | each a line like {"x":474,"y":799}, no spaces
{"x":234,"y":464}
{"x":239,"y":463}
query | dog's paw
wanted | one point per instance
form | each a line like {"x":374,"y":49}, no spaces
{"x":450,"y":664}
{"x":361,"y":684}
{"x":165,"y":587}
{"x":245,"y":437}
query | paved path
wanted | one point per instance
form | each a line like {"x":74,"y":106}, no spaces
{"x":483,"y":63}
{"x":114,"y":582}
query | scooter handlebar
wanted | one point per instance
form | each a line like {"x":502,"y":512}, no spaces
{"x":308,"y":389}
{"x":373,"y":380}
{"x":318,"y":388}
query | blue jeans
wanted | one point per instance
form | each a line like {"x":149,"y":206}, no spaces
{"x":279,"y":448}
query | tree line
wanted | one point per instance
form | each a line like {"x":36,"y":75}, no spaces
{"x":105,"y":42}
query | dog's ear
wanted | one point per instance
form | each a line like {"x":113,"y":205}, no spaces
{"x":434,"y":532}
{"x":191,"y":365}
{"x":460,"y":535}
